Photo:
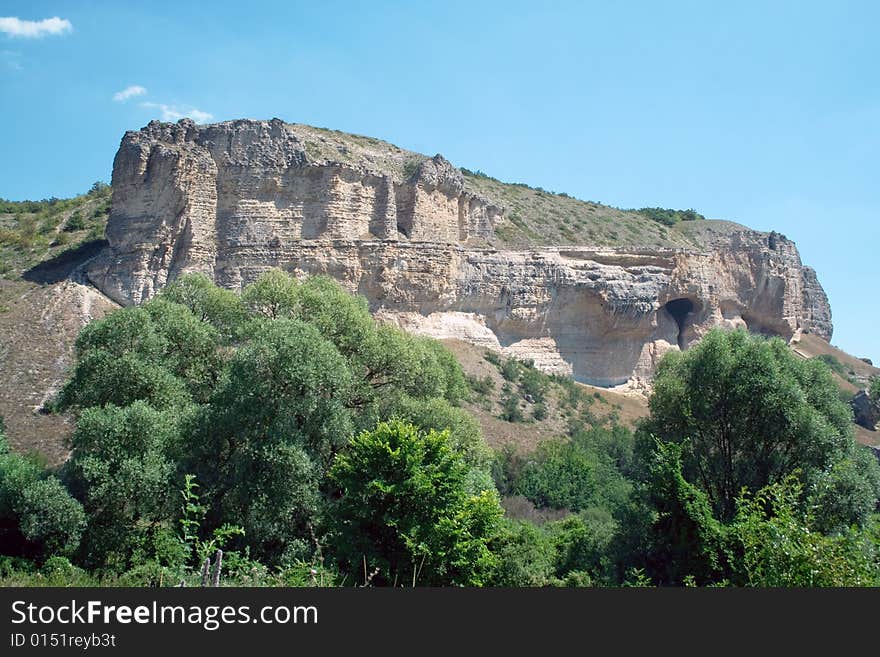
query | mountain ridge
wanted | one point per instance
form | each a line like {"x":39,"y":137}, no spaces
{"x":442,"y":252}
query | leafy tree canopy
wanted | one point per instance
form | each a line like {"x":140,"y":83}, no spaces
{"x":404,"y":509}
{"x":38,"y":517}
{"x":252,"y":394}
{"x":747,"y":413}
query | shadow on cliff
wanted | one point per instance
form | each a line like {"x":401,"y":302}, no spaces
{"x":62,"y":266}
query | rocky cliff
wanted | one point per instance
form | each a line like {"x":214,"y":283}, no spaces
{"x":580,"y":288}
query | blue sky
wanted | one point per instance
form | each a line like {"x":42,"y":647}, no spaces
{"x":766,"y":113}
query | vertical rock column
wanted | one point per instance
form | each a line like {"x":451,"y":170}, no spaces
{"x":383,"y":223}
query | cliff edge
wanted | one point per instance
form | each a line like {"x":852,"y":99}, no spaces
{"x":579,"y":287}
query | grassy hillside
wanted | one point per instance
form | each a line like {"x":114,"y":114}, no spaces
{"x":537,"y":217}
{"x":533,"y":216}
{"x":508,"y":418}
{"x":35,"y":231}
{"x":519,"y":406}
{"x":41,"y":242}
{"x":854,"y":370}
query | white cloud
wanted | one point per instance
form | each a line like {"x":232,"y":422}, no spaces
{"x":176,"y":112}
{"x":16,"y":27}
{"x":200,"y":117}
{"x":129,"y":92}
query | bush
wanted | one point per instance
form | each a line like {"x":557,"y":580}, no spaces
{"x":404,"y":510}
{"x":669,"y":217}
{"x":50,"y":517}
{"x":533,"y":384}
{"x":526,"y":555}
{"x":570,"y":552}
{"x":583,"y":547}
{"x":507,"y":466}
{"x":510,"y":410}
{"x":75,"y":222}
{"x":56,"y":571}
{"x":559,"y":476}
{"x":775,"y":546}
{"x":38,"y":517}
{"x":540,"y":411}
{"x":510,"y":369}
{"x":574,"y":474}
{"x":481,"y":387}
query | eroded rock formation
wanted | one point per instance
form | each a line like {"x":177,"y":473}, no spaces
{"x":234,"y":199}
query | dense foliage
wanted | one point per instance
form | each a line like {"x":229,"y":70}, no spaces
{"x":254,"y":397}
{"x":748,"y":413}
{"x":316,"y":446}
{"x":578,"y":473}
{"x":740,"y":418}
{"x":38,"y":517}
{"x":669,"y":217}
{"x":405,"y":510}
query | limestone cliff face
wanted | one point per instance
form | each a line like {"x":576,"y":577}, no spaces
{"x":235,"y":199}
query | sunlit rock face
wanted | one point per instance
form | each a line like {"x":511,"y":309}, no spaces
{"x":235,"y":199}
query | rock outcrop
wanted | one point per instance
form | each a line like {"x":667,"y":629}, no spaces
{"x":234,"y":199}
{"x":866,"y":411}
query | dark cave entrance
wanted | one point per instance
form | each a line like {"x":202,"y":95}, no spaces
{"x":680,"y":309}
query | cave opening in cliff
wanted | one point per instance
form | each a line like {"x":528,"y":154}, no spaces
{"x":679,"y":309}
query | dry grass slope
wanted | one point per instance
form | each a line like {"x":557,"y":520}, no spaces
{"x":605,"y":406}
{"x":532,"y":216}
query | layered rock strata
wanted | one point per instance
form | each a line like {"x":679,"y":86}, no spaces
{"x":234,"y":199}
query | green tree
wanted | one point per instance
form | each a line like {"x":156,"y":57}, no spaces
{"x":404,"y":509}
{"x":273,"y":295}
{"x":526,"y":555}
{"x":127,"y":356}
{"x":38,"y":517}
{"x":746,"y":412}
{"x":574,"y":474}
{"x":583,"y":546}
{"x":270,"y":432}
{"x":847,"y":493}
{"x":190,"y":347}
{"x":437,"y":413}
{"x":287,"y":383}
{"x":222,"y":309}
{"x":774,"y":544}
{"x":685,"y":540}
{"x":560,"y":476}
{"x":254,"y":396}
{"x":122,"y":469}
{"x":383,"y":360}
